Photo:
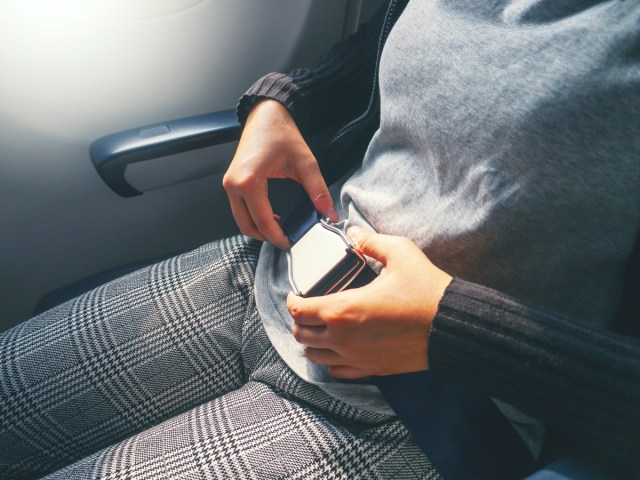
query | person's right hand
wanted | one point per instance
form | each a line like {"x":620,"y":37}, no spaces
{"x":271,"y":146}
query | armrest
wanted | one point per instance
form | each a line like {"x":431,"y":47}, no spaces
{"x":113,"y":153}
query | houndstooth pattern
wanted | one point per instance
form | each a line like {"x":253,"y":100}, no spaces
{"x":168,"y":373}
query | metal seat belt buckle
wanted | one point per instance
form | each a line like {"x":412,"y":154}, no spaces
{"x":323,"y":261}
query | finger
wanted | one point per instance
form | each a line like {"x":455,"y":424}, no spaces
{"x":309,"y":176}
{"x":314,"y":337}
{"x":346,"y":372}
{"x":262,"y":216}
{"x":305,"y":311}
{"x":243,"y":218}
{"x":323,"y":356}
{"x":374,"y":245}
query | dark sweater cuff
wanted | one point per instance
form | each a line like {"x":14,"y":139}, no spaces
{"x":275,"y":86}
{"x":483,"y":338}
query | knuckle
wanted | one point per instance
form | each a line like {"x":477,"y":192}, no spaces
{"x":333,"y":315}
{"x":321,"y":195}
{"x":311,"y":356}
{"x":343,"y":310}
{"x":296,"y":332}
{"x":231,"y":183}
{"x":295,"y":312}
{"x":227,"y":181}
{"x":243,"y":181}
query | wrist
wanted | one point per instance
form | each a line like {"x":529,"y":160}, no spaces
{"x":267,"y":108}
{"x":269,"y":117}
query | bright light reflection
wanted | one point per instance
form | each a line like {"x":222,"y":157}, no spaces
{"x":68,"y":60}
{"x":59,"y":9}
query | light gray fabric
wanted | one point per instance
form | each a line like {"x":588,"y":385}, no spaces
{"x":504,"y":152}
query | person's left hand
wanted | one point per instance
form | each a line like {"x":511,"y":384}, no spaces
{"x":381,"y":328}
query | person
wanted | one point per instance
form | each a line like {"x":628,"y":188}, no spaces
{"x":472,"y":141}
{"x":468,"y":154}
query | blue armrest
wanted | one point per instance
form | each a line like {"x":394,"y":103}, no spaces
{"x":113,"y":153}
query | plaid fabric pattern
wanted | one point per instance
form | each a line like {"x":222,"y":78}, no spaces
{"x":168,"y":373}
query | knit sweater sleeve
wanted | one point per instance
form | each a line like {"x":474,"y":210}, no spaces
{"x":582,"y":381}
{"x":330,"y":92}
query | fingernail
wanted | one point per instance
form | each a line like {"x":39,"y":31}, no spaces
{"x":332,"y":214}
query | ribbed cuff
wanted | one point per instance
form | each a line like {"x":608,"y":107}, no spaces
{"x":276,"y":86}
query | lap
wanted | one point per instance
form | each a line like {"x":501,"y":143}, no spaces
{"x":257,"y":432}
{"x":124,"y":356}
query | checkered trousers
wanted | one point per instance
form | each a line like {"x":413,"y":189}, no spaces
{"x":168,"y":373}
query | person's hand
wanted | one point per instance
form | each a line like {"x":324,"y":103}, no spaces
{"x":271,"y":146}
{"x":381,"y":328}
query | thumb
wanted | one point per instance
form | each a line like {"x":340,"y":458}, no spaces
{"x":371,"y":244}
